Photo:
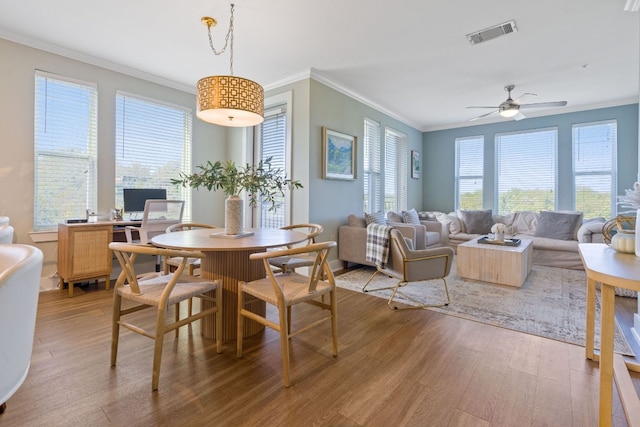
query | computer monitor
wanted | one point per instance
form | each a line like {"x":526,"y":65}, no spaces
{"x":135,"y":198}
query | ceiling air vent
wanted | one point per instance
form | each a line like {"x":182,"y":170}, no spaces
{"x":492,"y":33}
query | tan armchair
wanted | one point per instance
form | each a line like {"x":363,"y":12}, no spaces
{"x":407,"y":265}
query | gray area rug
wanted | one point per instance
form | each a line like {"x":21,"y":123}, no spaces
{"x":551,"y":303}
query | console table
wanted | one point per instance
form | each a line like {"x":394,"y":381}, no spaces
{"x":83,"y":250}
{"x":611,"y":269}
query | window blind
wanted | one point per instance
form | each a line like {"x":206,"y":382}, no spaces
{"x":153,"y":145}
{"x":469,"y":172}
{"x":526,"y":168}
{"x":65,"y":150}
{"x":395,"y":171}
{"x":594,"y":168}
{"x":372,"y":173}
{"x":274,"y":138}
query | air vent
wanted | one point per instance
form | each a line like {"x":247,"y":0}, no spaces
{"x":492,"y":33}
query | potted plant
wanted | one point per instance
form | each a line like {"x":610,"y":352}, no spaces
{"x":261,"y":181}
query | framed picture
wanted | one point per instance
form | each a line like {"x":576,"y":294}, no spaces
{"x":415,"y":164}
{"x":338,"y":155}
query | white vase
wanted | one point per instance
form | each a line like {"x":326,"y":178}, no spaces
{"x":233,"y":215}
{"x":638,"y":233}
{"x":499,"y":237}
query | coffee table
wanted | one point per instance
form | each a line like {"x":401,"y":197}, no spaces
{"x":495,"y":263}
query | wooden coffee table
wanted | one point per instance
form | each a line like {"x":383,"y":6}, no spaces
{"x":495,"y":263}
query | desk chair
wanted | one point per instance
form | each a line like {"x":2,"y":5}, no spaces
{"x":285,"y":264}
{"x":158,"y":215}
{"x":159,"y":292}
{"x":408,"y":265}
{"x":288,"y":289}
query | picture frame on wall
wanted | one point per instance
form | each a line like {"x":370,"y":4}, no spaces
{"x":415,"y":164}
{"x":338,"y":155}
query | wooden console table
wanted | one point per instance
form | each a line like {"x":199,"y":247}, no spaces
{"x":611,"y":269}
{"x":83,"y":250}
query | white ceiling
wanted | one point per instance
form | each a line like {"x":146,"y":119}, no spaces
{"x":409,"y":58}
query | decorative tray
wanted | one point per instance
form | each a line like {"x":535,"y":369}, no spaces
{"x":506,"y":242}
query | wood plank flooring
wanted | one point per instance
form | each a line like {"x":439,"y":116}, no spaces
{"x":414,"y":367}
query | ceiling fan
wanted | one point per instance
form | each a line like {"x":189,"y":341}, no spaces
{"x":511,"y":107}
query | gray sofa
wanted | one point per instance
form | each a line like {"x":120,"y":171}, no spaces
{"x":551,"y":245}
{"x":352,"y":237}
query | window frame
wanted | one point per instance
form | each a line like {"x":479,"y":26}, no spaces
{"x":460,"y":157}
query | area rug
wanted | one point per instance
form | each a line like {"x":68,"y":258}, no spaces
{"x":551,"y":303}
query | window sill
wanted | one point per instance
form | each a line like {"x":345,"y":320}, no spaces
{"x":43,"y":236}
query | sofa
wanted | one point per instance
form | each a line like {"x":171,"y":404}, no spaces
{"x":352,"y":237}
{"x":555,"y":234}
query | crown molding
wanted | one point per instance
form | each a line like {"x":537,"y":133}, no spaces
{"x":93,"y":60}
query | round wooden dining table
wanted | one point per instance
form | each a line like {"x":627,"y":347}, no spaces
{"x":227,"y":259}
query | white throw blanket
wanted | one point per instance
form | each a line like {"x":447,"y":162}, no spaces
{"x":378,"y":237}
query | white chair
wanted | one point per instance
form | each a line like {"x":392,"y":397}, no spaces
{"x":158,"y":215}
{"x":20,"y":269}
{"x":288,"y":289}
{"x":6,"y":234}
{"x":160,"y":292}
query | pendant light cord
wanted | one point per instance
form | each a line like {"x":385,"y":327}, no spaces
{"x":229,"y":37}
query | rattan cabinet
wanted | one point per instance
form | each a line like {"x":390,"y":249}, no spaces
{"x":83,"y":253}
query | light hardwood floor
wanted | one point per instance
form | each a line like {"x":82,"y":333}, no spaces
{"x":414,"y":367}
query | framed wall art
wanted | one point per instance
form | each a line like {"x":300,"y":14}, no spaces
{"x":415,"y":164}
{"x":338,"y":155}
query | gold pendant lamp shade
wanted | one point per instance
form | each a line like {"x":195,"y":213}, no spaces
{"x":230,"y":101}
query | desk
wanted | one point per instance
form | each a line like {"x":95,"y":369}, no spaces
{"x":611,"y":269}
{"x":227,"y":259}
{"x":83,"y":250}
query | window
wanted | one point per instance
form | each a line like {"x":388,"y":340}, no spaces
{"x":372,"y":173}
{"x":526,"y":170}
{"x":272,"y":142}
{"x":395,"y":171}
{"x":65,"y":150}
{"x":594,"y":160}
{"x":469,"y":172}
{"x":153,"y":145}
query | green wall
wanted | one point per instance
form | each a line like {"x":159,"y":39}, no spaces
{"x":439,"y":154}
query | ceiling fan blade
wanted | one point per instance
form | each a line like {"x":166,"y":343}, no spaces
{"x":515,"y":101}
{"x":484,"y":115}
{"x":519,"y":116}
{"x":483,"y":106}
{"x":544,"y":104}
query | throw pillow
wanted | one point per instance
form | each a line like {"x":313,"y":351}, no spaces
{"x":375,"y":218}
{"x":450,"y":221}
{"x":477,"y":222}
{"x":557,"y":225}
{"x":393,"y":217}
{"x":410,"y":217}
{"x":356,"y":221}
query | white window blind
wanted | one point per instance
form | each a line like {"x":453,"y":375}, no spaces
{"x":65,"y":150}
{"x":395,"y":171}
{"x":372,"y":174}
{"x":273,"y":144}
{"x":153,"y":145}
{"x":594,"y":168}
{"x":469,"y":170}
{"x":526,"y":168}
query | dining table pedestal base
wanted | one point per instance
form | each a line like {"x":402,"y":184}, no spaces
{"x":231,"y":267}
